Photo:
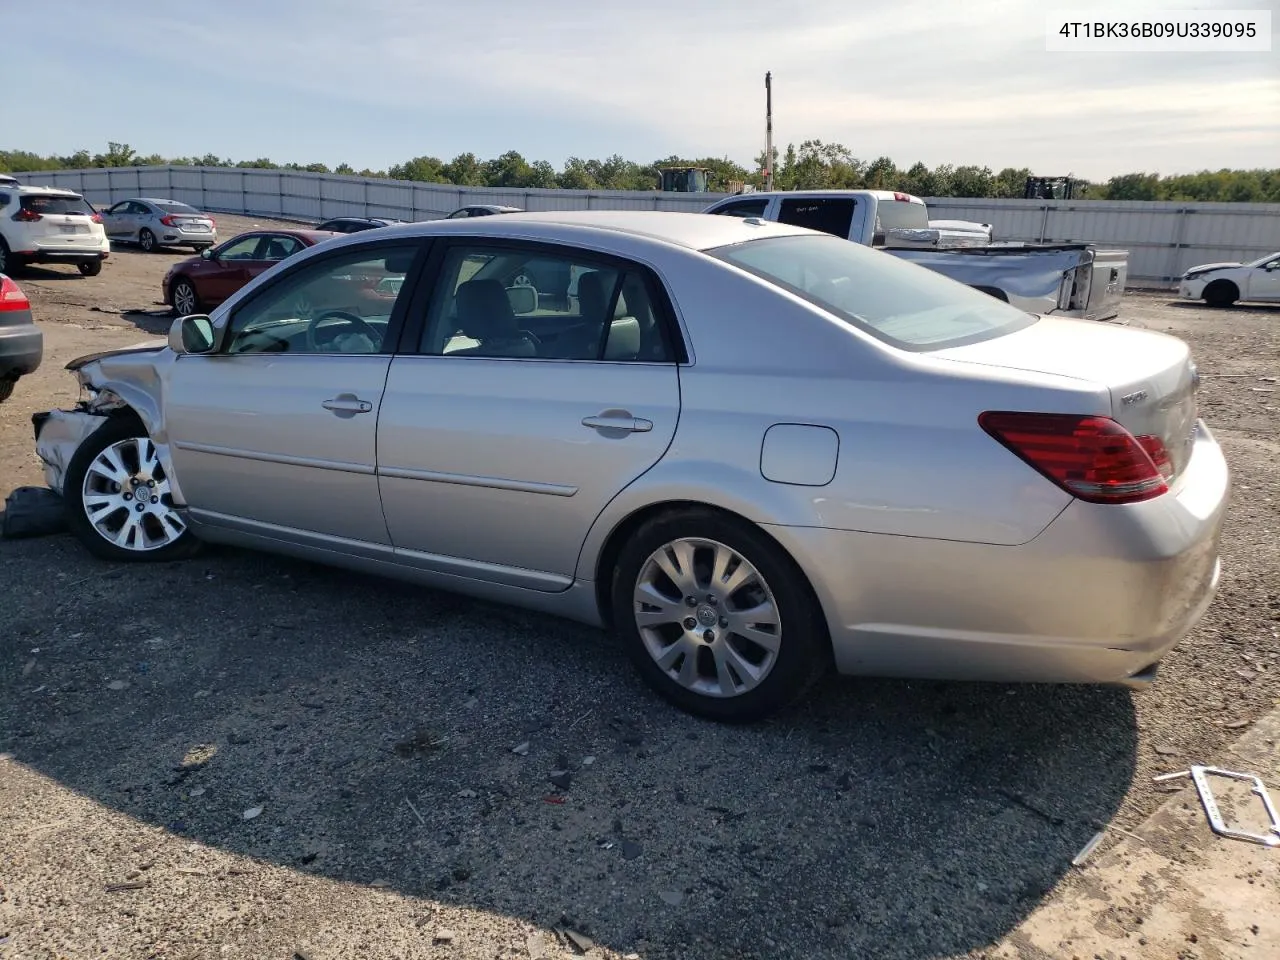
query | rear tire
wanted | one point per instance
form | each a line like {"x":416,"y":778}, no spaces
{"x":146,"y":240}
{"x":758,"y":640}
{"x":1221,"y":293}
{"x":6,"y":389}
{"x":8,"y":262}
{"x":113,"y":487}
{"x":90,"y":268}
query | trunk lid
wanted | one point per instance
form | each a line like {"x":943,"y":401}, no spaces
{"x":1150,"y":376}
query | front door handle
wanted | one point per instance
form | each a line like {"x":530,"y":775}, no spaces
{"x":347,"y":405}
{"x":620,"y":421}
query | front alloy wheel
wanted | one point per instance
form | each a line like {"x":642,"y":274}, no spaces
{"x":185,"y":301}
{"x":119,"y":500}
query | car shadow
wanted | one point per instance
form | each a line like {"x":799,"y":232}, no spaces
{"x":397,"y":735}
{"x":154,"y":320}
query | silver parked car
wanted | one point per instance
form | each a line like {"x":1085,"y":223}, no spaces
{"x":153,"y":223}
{"x":751,"y":449}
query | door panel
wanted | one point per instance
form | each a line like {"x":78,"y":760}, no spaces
{"x":1264,"y":284}
{"x":253,"y":439}
{"x":488,"y":461}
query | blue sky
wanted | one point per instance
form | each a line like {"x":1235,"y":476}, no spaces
{"x":374,"y":82}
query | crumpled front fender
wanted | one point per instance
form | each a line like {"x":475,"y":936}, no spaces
{"x":135,"y":379}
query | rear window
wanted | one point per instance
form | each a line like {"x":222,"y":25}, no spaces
{"x":52,"y":203}
{"x":175,"y":207}
{"x":901,"y":303}
{"x":898,"y":215}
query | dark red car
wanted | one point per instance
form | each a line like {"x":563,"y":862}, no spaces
{"x":200,"y":283}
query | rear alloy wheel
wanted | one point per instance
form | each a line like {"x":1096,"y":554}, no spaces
{"x":185,"y":300}
{"x":90,"y":268}
{"x":146,"y":240}
{"x":717,"y":618}
{"x":1221,"y":293}
{"x":118,"y":499}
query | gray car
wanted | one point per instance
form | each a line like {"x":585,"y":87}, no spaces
{"x":152,"y":223}
{"x":752,"y":450}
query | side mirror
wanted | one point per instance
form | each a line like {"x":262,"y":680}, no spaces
{"x":523,"y":299}
{"x":192,"y":334}
{"x":1273,"y":265}
{"x":206,"y":253}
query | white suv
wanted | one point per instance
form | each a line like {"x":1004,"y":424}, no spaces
{"x":48,"y":225}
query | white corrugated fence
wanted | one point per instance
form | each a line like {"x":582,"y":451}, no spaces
{"x":1163,"y":238}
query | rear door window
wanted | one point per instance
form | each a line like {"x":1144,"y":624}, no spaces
{"x":43,"y":203}
{"x":833,"y":215}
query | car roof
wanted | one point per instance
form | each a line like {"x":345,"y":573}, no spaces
{"x":695,"y":231}
{"x":769,"y":194}
{"x":156,"y":200}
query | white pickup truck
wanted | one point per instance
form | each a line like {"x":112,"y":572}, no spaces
{"x":1064,"y":279}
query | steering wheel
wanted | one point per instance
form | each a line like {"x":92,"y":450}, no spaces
{"x":350,"y":319}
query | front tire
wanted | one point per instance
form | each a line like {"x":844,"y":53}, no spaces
{"x":146,"y":240}
{"x":90,"y":268}
{"x":185,"y":299}
{"x":118,"y":499}
{"x":6,"y":389}
{"x":1221,"y":293}
{"x":716,"y":617}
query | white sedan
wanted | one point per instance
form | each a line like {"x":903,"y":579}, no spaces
{"x":1222,"y":284}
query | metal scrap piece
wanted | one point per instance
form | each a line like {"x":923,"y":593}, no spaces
{"x":1200,"y":774}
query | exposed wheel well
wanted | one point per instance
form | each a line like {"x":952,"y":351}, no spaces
{"x":623,"y":532}
{"x":993,"y":292}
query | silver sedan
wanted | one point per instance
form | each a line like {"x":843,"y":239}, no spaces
{"x":153,"y":223}
{"x":752,"y":451}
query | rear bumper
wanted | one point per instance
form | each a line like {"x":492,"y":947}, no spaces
{"x":62,"y":255}
{"x":186,"y":237}
{"x":21,"y":349}
{"x":1098,"y":597}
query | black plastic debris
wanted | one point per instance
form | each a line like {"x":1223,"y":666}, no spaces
{"x":33,"y":512}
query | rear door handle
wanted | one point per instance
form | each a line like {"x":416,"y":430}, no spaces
{"x":347,"y":404}
{"x":620,"y":420}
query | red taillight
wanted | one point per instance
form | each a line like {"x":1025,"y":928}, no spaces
{"x":1093,"y":458}
{"x":904,"y":197}
{"x":12,"y":297}
{"x":168,"y":220}
{"x":96,"y":218}
{"x":27,"y":216}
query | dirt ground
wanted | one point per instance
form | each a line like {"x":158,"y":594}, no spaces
{"x":251,"y":757}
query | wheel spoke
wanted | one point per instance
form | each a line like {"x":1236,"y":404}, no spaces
{"x":110,"y":457}
{"x":730,"y":583}
{"x":125,"y":535}
{"x":689,"y":669}
{"x":667,"y":611}
{"x":769,"y":640}
{"x":668,"y":657}
{"x":676,"y":561}
{"x":726,"y":657}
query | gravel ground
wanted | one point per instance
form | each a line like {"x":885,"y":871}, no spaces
{"x":244,"y":756}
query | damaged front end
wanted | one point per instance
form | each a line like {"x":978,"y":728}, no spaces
{"x":119,"y":383}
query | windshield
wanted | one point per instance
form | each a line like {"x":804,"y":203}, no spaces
{"x":898,"y":302}
{"x":1263,"y":260}
{"x":173,"y":206}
